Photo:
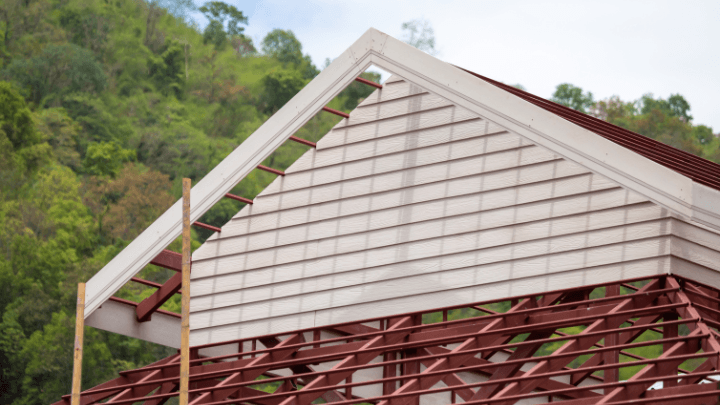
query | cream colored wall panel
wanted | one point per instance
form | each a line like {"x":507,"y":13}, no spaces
{"x":467,"y":148}
{"x":472,"y":249}
{"x":697,"y":234}
{"x":372,"y":221}
{"x":695,"y":272}
{"x":698,"y":254}
{"x":394,"y":79}
{"x":395,"y":144}
{"x":505,"y":268}
{"x":499,"y":290}
{"x":287,"y":217}
{"x":537,"y":284}
{"x":388,"y":93}
{"x":523,"y":213}
{"x":419,"y":102}
{"x":396,"y":180}
{"x":344,"y":135}
{"x":250,"y":329}
{"x":256,"y":282}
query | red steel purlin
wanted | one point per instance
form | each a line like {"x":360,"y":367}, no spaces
{"x":572,"y":346}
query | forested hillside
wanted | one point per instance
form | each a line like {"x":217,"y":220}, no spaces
{"x":105,"y":105}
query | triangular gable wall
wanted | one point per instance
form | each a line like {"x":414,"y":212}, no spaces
{"x":533,"y":128}
{"x":410,"y":204}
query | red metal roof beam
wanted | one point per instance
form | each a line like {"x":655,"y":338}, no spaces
{"x":336,"y":112}
{"x":151,"y":304}
{"x":208,"y":227}
{"x":135,"y":304}
{"x":303,"y":141}
{"x":271,"y":170}
{"x":368,"y":82}
{"x":148,"y":283}
{"x":169,"y":260}
{"x":238,"y":198}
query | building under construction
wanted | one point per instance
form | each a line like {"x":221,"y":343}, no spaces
{"x":451,"y":240}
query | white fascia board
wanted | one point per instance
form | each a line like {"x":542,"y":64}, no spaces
{"x":208,"y":191}
{"x":633,"y":171}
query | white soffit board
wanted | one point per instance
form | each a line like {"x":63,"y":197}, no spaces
{"x":658,"y":183}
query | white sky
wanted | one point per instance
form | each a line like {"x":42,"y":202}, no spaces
{"x":625,"y":48}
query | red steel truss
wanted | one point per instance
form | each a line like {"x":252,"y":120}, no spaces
{"x":638,"y":341}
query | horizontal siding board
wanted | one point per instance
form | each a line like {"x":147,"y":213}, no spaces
{"x":489,"y":235}
{"x":399,"y":90}
{"x":483,"y":182}
{"x":696,"y":234}
{"x":508,"y":288}
{"x":504,"y":244}
{"x":398,"y":180}
{"x":390,"y":109}
{"x":695,"y":271}
{"x":251,"y":328}
{"x":308,"y":251}
{"x":536,"y":284}
{"x":493,"y":288}
{"x":437,"y":212}
{"x":506,"y":269}
{"x":396,"y":144}
{"x":345,"y":135}
{"x":698,"y":254}
{"x":466,"y":148}
{"x":498,"y":231}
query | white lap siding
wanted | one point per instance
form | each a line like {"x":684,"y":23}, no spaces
{"x":414,"y":204}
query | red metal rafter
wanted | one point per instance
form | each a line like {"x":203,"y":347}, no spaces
{"x":271,"y":170}
{"x":303,"y":141}
{"x":368,"y":82}
{"x":169,"y":260}
{"x":145,"y":309}
{"x":336,"y":112}
{"x":206,"y":226}
{"x":238,"y":198}
{"x":493,"y":346}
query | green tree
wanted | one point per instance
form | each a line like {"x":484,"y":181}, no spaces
{"x":106,"y":158}
{"x":674,"y":106}
{"x":28,"y":149}
{"x":285,"y":47}
{"x":58,"y":70}
{"x":168,"y":69}
{"x":280,"y":86}
{"x":573,"y":97}
{"x":155,"y":10}
{"x":217,"y":13}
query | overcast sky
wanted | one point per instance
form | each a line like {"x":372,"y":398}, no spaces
{"x":625,"y":48}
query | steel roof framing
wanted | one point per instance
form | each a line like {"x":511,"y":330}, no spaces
{"x":543,"y":340}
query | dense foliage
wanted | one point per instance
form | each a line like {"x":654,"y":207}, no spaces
{"x":105,"y":105}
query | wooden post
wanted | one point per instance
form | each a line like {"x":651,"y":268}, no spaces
{"x":185,"y":323}
{"x":78,"y":351}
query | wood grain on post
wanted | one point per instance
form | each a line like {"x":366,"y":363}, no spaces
{"x":185,"y":323}
{"x":78,"y":349}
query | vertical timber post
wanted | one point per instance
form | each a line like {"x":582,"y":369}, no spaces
{"x":78,"y":349}
{"x":185,"y":323}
